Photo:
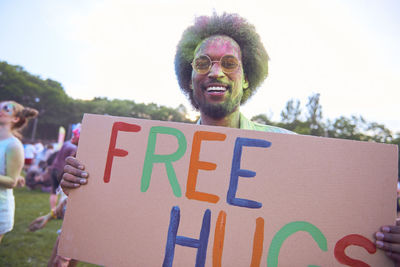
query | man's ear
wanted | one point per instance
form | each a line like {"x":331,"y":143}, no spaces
{"x":245,"y":83}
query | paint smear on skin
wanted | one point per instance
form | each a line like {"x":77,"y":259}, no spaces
{"x":7,"y":107}
{"x":219,"y":41}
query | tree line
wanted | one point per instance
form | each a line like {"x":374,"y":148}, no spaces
{"x":312,"y":123}
{"x":57,"y":109}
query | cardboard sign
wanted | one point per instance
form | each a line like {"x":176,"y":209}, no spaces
{"x":174,"y":194}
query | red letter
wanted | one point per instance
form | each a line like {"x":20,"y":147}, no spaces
{"x":357,"y":240}
{"x":115,"y":152}
{"x":195,"y":165}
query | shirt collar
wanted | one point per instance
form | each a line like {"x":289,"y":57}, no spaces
{"x":244,"y":123}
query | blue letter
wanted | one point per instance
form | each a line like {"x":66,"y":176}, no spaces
{"x":236,"y":172}
{"x":173,"y":239}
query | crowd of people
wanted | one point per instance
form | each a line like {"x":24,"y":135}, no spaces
{"x":38,"y":159}
{"x":220,"y":62}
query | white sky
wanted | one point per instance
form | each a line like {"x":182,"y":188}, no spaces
{"x":348,"y":51}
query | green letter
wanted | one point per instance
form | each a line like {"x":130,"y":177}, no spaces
{"x":151,"y":158}
{"x":288,"y":230}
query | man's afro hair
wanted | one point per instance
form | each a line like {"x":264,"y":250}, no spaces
{"x":254,"y":56}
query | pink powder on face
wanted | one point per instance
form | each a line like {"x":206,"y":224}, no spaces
{"x":220,"y":43}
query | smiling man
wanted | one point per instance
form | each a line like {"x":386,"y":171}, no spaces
{"x":218,"y":80}
{"x":220,"y":62}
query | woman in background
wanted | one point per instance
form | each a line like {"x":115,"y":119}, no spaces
{"x":13,"y":117}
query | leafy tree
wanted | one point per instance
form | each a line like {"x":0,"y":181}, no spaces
{"x":379,"y":133}
{"x":47,"y":96}
{"x":292,"y":112}
{"x":261,"y":118}
{"x":347,"y":128}
{"x":314,"y":118}
{"x":290,"y":117}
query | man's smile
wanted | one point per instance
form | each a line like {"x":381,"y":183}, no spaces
{"x":216,"y":89}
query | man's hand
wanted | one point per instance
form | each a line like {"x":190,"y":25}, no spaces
{"x":388,"y":239}
{"x":39,"y":223}
{"x":74,"y":175}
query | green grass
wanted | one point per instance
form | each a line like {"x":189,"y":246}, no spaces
{"x":21,"y":247}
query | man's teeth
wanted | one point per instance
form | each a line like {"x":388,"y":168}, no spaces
{"x":217,"y":89}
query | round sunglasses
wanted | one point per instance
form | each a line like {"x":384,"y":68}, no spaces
{"x":203,"y":63}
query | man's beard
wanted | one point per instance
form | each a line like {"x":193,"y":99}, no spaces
{"x":218,"y":111}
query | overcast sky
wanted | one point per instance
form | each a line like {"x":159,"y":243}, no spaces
{"x":348,"y":51}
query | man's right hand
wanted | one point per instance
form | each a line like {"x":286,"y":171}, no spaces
{"x":74,"y":175}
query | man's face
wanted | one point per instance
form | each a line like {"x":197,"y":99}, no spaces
{"x":216,"y":93}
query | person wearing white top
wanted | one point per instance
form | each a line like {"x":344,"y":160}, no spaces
{"x":13,"y":117}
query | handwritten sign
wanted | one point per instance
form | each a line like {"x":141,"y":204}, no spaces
{"x":173,"y":194}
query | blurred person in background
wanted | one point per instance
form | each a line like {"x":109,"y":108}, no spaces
{"x":39,"y":175}
{"x":48,"y":151}
{"x":57,"y":167}
{"x":39,"y":151}
{"x":29,"y":154}
{"x":13,"y":117}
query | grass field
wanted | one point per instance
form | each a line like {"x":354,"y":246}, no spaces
{"x":21,"y":247}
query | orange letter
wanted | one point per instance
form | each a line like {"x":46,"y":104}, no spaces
{"x":258,"y":243}
{"x":219,"y":236}
{"x":195,"y":165}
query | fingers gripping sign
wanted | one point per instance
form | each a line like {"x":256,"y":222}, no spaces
{"x":74,"y":175}
{"x":388,"y":239}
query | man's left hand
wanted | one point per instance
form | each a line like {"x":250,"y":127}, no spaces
{"x":388,"y":239}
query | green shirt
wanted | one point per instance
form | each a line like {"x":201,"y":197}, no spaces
{"x":247,"y":124}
